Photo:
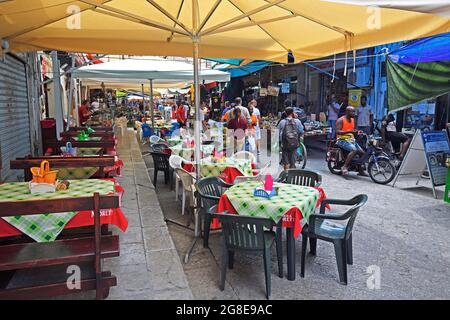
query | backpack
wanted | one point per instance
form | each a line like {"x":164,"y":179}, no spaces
{"x":290,"y":137}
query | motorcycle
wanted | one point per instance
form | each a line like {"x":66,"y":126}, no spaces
{"x":379,"y":166}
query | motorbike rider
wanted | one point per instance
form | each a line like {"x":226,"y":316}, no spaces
{"x":346,"y":133}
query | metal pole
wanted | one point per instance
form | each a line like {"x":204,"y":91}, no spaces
{"x":77,"y":102}
{"x":57,"y":94}
{"x":70,"y":107}
{"x":197,"y":123}
{"x":151,"y":105}
{"x":143,"y":100}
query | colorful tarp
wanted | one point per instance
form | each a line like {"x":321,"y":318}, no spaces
{"x":418,"y":71}
{"x":430,"y":49}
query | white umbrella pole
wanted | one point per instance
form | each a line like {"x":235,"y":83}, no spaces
{"x":77,"y":102}
{"x":71,"y":88}
{"x":197,"y":123}
{"x":151,"y":105}
{"x":143,"y":99}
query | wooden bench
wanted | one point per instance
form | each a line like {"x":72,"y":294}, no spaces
{"x":76,"y":251}
{"x":103,"y":144}
{"x":63,"y":162}
{"x":99,"y":128}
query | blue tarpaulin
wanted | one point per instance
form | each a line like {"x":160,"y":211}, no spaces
{"x":234,"y":62}
{"x":237,"y":70}
{"x":419,"y":71}
{"x":248,"y":69}
{"x":432,"y":49}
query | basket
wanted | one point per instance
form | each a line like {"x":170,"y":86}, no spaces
{"x":68,"y":150}
{"x":261,"y":193}
{"x":83,"y":136}
{"x":43,"y":174}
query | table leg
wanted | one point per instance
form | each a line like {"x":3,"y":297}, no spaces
{"x":290,"y":241}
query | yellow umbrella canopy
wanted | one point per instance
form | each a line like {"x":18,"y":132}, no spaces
{"x":256,"y":29}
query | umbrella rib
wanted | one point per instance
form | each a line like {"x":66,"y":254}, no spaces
{"x":139,"y":19}
{"x":178,"y":16}
{"x":323,"y":24}
{"x":168,"y":15}
{"x":22,"y":32}
{"x":242,"y":16}
{"x":209,"y":15}
{"x":250,"y":23}
{"x":256,"y":23}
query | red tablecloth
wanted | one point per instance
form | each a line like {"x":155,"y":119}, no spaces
{"x":228,"y":175}
{"x":82,"y":218}
{"x":115,"y":169}
{"x":291,"y":219}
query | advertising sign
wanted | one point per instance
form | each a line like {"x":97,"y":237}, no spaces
{"x":273,"y":91}
{"x":436,"y":145}
{"x":354,"y":97}
{"x":285,"y":87}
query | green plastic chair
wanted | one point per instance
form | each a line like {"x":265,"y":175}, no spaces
{"x":209,"y":190}
{"x":301,"y":177}
{"x":248,"y":234}
{"x":335,"y":228}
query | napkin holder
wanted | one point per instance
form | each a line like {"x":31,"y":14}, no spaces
{"x":68,"y":150}
{"x":40,"y":188}
{"x":261,"y":193}
{"x":82,"y":136}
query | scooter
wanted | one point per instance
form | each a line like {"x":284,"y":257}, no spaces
{"x":380,"y":168}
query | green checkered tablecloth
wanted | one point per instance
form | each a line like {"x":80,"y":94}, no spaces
{"x":89,"y":139}
{"x":46,"y":227}
{"x":76,"y":173}
{"x":188,"y":153}
{"x":81,"y":152}
{"x":212,"y":169}
{"x":290,"y":196}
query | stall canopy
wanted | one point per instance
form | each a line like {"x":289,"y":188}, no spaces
{"x":418,"y":71}
{"x":129,"y":72}
{"x":257,"y":29}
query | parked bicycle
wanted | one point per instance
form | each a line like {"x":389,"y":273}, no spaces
{"x":302,"y":155}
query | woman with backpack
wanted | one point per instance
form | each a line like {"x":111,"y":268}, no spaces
{"x":291,"y":130}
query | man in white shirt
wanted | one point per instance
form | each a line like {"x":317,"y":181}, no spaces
{"x":365,"y":116}
{"x":257,"y":113}
{"x":95,"y":105}
{"x":244,"y":110}
{"x":333,"y":110}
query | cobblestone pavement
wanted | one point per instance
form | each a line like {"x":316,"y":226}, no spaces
{"x":403,"y":233}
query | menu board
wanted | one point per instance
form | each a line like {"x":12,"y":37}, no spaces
{"x":436,"y":145}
